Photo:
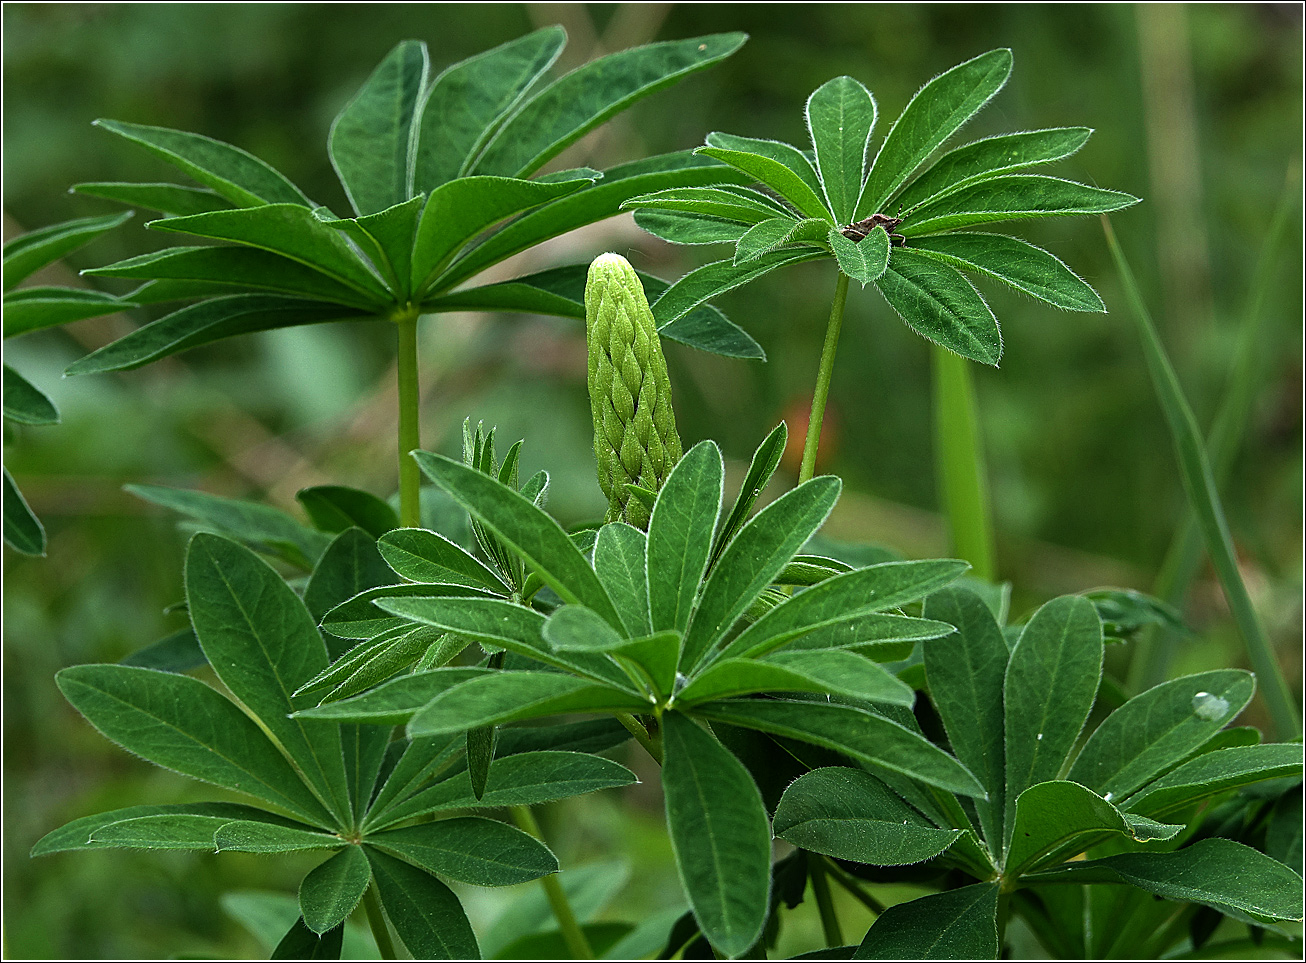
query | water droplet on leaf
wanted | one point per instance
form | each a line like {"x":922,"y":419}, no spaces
{"x":1208,"y":706}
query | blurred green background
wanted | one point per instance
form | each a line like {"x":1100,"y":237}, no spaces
{"x":1197,"y":109}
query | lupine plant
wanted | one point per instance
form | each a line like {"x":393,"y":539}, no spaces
{"x":383,"y":693}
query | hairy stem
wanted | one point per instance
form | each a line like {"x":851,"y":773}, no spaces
{"x":376,"y":920}
{"x":410,"y":478}
{"x":823,"y":376}
{"x":651,"y":742}
{"x":824,"y":904}
{"x":572,"y":934}
{"x":959,"y":458}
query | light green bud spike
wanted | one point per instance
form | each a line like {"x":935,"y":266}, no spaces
{"x":635,"y":437}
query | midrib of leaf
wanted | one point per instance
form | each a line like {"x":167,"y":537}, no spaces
{"x":717,"y":875}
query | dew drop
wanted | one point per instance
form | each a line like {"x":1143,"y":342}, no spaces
{"x":1107,"y":797}
{"x":1208,"y":706}
{"x":1040,"y":737}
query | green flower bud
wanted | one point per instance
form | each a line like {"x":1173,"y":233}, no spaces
{"x":635,"y":437}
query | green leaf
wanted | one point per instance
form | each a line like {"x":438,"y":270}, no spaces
{"x":359,"y":618}
{"x":770,"y":234}
{"x":849,"y":814}
{"x":1058,"y":820}
{"x":510,"y":696}
{"x":425,"y":913}
{"x":777,"y":175}
{"x":33,"y":309}
{"x":25,"y":403}
{"x":690,"y":228}
{"x":23,"y":531}
{"x":329,"y":893}
{"x":745,"y":205}
{"x":470,"y":849}
{"x":1012,"y":197}
{"x":588,"y":889}
{"x":1162,"y":726}
{"x":863,"y":260}
{"x":262,"y":526}
{"x":172,"y":200}
{"x":469,"y":100}
{"x":249,"y":267}
{"x":334,"y":508}
{"x":248,"y":836}
{"x":238,"y":176}
{"x":1212,"y":773}
{"x":460,"y":210}
{"x":28,"y":253}
{"x":386,"y":238}
{"x":301,"y":943}
{"x":394,"y":702}
{"x":938,"y":303}
{"x":620,"y":562}
{"x":187,"y":830}
{"x":206,"y":322}
{"x":579,"y":628}
{"x":1017,"y":263}
{"x":840,"y":117}
{"x":753,"y":559}
{"x":181,"y":724}
{"x":369,"y":138}
{"x":985,"y":158}
{"x":719,"y":833}
{"x":84,"y":833}
{"x":765,"y":461}
{"x":424,"y":556}
{"x":525,"y":528}
{"x":565,"y":110}
{"x":1220,"y":873}
{"x":370,"y":663}
{"x":937,"y":111}
{"x":966,"y":673}
{"x":823,"y":671}
{"x":1051,"y":681}
{"x":680,"y":535}
{"x":865,"y":736}
{"x":960,"y":924}
{"x":291,"y":231}
{"x":178,"y":652}
{"x":350,"y":565}
{"x":524,"y":779}
{"x":263,"y":645}
{"x":780,"y":153}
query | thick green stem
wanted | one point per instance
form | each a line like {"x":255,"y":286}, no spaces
{"x":824,"y":904}
{"x":959,"y":458}
{"x":376,"y":919}
{"x":652,"y":743}
{"x":410,"y":477}
{"x":823,"y":376}
{"x":572,"y":934}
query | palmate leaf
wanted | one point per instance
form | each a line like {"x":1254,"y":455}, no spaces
{"x":712,"y":280}
{"x":393,"y":702}
{"x":329,"y":893}
{"x":1213,"y":773}
{"x":766,"y":459}
{"x":1015,"y":262}
{"x":863,"y":260}
{"x":33,"y":309}
{"x":1012,"y":197}
{"x":28,"y":253}
{"x":424,"y":556}
{"x":822,"y":671}
{"x":743,"y":205}
{"x":781,"y":153}
{"x":350,"y":565}
{"x":960,"y":924}
{"x":470,"y":849}
{"x":775,"y":175}
{"x":86,"y":833}
{"x":425,"y":912}
{"x":171,"y":200}
{"x":937,"y":302}
{"x":690,"y":228}
{"x":840,"y":117}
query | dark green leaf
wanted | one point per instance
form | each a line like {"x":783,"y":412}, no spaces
{"x":753,"y":559}
{"x":263,"y":645}
{"x":940,"y":304}
{"x":719,"y":833}
{"x":728,"y":203}
{"x":1025,"y":267}
{"x":248,"y":836}
{"x":1051,"y":681}
{"x":423,"y":556}
{"x":1215,"y":772}
{"x":620,"y":562}
{"x":863,"y":260}
{"x":394,"y":702}
{"x":469,"y":100}
{"x":765,"y":461}
{"x":579,"y":628}
{"x":1153,"y":731}
{"x":480,"y":748}
{"x":993,"y":155}
{"x":470,"y":849}
{"x":350,"y":565}
{"x":206,"y":322}
{"x":28,"y":253}
{"x":780,"y":153}
{"x":386,"y":237}
{"x":329,"y":893}
{"x":181,"y":724}
{"x":849,"y":814}
{"x":840,"y":118}
{"x":966,"y":673}
{"x":23,"y":531}
{"x":249,"y":267}
{"x":1220,"y":873}
{"x":178,"y":652}
{"x":425,"y":913}
{"x":238,"y":176}
{"x":765,"y":236}
{"x":937,"y":111}
{"x":370,"y":663}
{"x":690,"y":228}
{"x":301,"y":943}
{"x":369,"y":139}
{"x":172,"y":200}
{"x":334,"y":508}
{"x":865,"y":736}
{"x":680,"y":535}
{"x":87,"y":832}
{"x":822,"y":670}
{"x":565,"y":110}
{"x":359,"y":618}
{"x":197,"y":831}
{"x":32,"y":309}
{"x":776,"y":175}
{"x":1012,"y":197}
{"x":25,"y":403}
{"x":960,"y":924}
{"x":588,"y":889}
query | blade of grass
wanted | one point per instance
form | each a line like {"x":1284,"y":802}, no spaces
{"x":1199,"y":484}
{"x":959,"y":463}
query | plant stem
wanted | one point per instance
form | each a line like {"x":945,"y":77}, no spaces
{"x":410,"y":478}
{"x":652,"y":743}
{"x":959,"y":460}
{"x":823,"y":376}
{"x":824,"y":904}
{"x":1204,"y":499}
{"x":376,"y":919}
{"x":572,"y":934}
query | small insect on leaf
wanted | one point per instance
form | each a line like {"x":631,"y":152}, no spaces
{"x":858,"y":230}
